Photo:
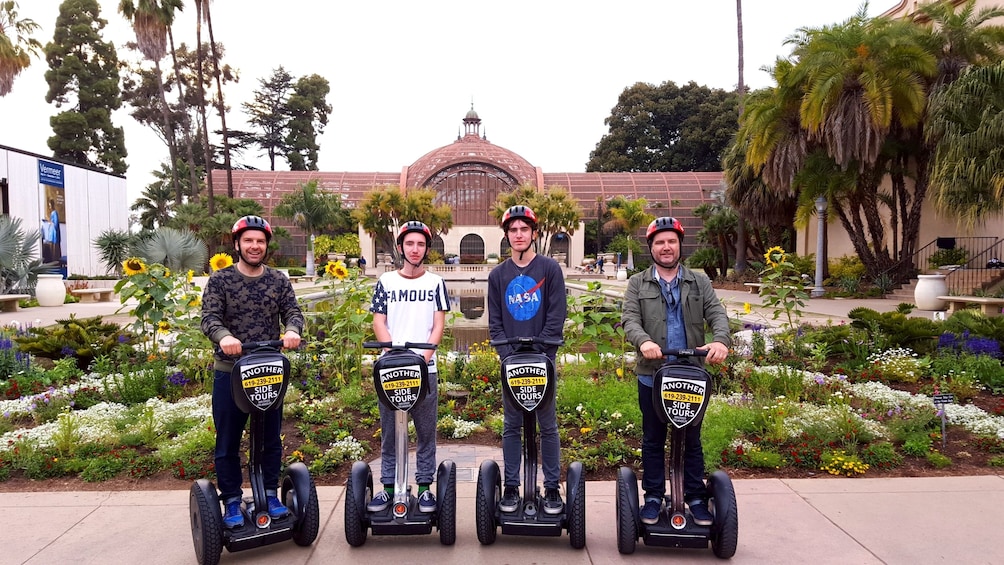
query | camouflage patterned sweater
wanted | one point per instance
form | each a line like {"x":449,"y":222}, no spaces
{"x":248,"y":308}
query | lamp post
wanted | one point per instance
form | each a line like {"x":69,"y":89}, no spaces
{"x":820,"y":236}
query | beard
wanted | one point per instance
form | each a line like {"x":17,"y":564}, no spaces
{"x":668,"y":265}
{"x":250,"y":263}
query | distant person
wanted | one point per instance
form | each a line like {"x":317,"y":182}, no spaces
{"x":598,"y":265}
{"x":362,"y":264}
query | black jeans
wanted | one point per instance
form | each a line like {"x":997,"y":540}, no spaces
{"x":653,"y":453}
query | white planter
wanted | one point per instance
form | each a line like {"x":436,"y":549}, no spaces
{"x":50,"y":290}
{"x":622,"y":274}
{"x":929,"y":288}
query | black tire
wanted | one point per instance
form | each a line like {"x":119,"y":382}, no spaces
{"x":489,"y":494}
{"x":446,"y":517}
{"x":576,"y":489}
{"x":627,"y":508}
{"x":207,"y":522}
{"x":358,"y":492}
{"x":302,"y":501}
{"x":725,"y":530}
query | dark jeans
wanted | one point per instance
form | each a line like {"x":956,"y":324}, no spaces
{"x":230,"y":423}
{"x":653,"y":453}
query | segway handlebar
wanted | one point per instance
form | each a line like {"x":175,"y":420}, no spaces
{"x":533,"y":340}
{"x":398,"y":345}
{"x":685,"y":352}
{"x":252,"y":346}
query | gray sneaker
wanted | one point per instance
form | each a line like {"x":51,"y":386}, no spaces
{"x":552,"y":502}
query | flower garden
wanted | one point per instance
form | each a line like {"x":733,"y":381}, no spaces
{"x":95,"y":401}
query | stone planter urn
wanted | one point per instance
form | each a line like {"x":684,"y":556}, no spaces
{"x":622,"y":274}
{"x":929,"y":288}
{"x":50,"y":290}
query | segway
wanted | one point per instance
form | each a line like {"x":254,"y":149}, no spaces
{"x":680,"y":395}
{"x":401,"y":379}
{"x":258,"y":384}
{"x":529,"y":378}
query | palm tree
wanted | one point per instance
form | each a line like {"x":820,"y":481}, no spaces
{"x":309,"y":209}
{"x":16,"y":45}
{"x":556,"y":209}
{"x":178,"y":250}
{"x":960,"y":37}
{"x":383,"y":210}
{"x":114,"y":247}
{"x":967,"y":119}
{"x":628,"y":215}
{"x":220,"y":106}
{"x":151,"y":20}
{"x":154,"y":204}
{"x":200,"y":7}
{"x":741,"y":235}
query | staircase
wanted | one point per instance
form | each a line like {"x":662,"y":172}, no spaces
{"x":969,"y":281}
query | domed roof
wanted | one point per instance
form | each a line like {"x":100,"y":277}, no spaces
{"x":470,"y":152}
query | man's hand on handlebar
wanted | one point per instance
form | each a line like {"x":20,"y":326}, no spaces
{"x":290,"y":340}
{"x":717,"y":352}
{"x":231,"y":346}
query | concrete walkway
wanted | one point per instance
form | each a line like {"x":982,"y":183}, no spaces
{"x":820,"y":521}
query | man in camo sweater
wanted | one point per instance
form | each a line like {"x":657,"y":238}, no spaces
{"x":243,"y":303}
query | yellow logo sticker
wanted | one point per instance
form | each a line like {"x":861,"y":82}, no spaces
{"x":682,"y":397}
{"x":264,"y":380}
{"x":528,"y":381}
{"x":403,"y":383}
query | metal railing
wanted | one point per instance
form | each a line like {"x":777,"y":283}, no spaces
{"x":969,"y":275}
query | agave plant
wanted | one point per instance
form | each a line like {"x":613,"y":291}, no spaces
{"x":178,"y":250}
{"x":19,"y":262}
{"x":114,"y":247}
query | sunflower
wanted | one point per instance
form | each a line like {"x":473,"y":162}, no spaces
{"x":774,"y":256}
{"x":747,"y":308}
{"x":337,"y":270}
{"x":189,"y":276}
{"x":163,"y":326}
{"x":133,"y":266}
{"x":195,"y":302}
{"x":221,"y":261}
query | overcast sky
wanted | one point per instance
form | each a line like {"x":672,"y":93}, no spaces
{"x":542,"y":74}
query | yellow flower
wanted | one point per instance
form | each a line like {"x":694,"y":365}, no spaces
{"x":167,"y":272}
{"x":774,"y":255}
{"x":747,"y":308}
{"x":620,"y":373}
{"x":585,"y":430}
{"x":189,"y":276}
{"x":221,"y":261}
{"x":163,"y":326}
{"x":195,"y":302}
{"x":133,"y":266}
{"x":337,"y":270}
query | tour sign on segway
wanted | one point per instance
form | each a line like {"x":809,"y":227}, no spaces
{"x":401,"y":379}
{"x":529,"y":378}
{"x":258,"y":383}
{"x":680,"y":394}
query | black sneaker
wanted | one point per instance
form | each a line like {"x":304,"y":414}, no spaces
{"x":552,"y":502}
{"x":699,"y":510}
{"x":650,"y":512}
{"x":510,"y":500}
{"x":426,"y":501}
{"x":379,"y":502}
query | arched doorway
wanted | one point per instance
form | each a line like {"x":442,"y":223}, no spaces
{"x":438,"y":245}
{"x":504,"y":248}
{"x":472,"y":249}
{"x":559,"y":247}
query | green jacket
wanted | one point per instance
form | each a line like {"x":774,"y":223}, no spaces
{"x":644,"y":313}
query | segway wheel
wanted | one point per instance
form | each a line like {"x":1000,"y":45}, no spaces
{"x":358,"y":491}
{"x":627,"y":511}
{"x":207,"y":522}
{"x":299,"y":494}
{"x":489,"y":494}
{"x":725,"y":530}
{"x":446,"y":519}
{"x":576,"y":489}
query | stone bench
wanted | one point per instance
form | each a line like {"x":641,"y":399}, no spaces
{"x":754,"y":288}
{"x":989,"y":305}
{"x":9,"y":302}
{"x":93,"y":294}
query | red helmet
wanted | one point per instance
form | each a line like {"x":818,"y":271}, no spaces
{"x":662,"y":224}
{"x":519,"y":212}
{"x":415,"y":226}
{"x":251,"y":223}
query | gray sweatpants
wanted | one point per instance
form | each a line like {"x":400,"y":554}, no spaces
{"x":424,"y":414}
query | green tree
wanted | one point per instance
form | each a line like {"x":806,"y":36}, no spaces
{"x":83,"y":74}
{"x":19,"y":261}
{"x":114,"y":247}
{"x":16,"y":45}
{"x":308,"y":113}
{"x":967,"y":119}
{"x":151,"y":20}
{"x":628,"y":216}
{"x":718,"y":231}
{"x":666,"y":128}
{"x":204,"y":14}
{"x":382,"y":211}
{"x":154,"y":204}
{"x":312,"y":209}
{"x":269,"y":116}
{"x":178,"y":250}
{"x":556,"y":209}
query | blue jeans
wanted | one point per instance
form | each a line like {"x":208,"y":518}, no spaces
{"x":653,"y":453}
{"x":230,"y":423}
{"x":512,"y":441}
{"x":424,"y":414}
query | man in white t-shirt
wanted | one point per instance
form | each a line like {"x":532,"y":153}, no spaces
{"x":410,"y":304}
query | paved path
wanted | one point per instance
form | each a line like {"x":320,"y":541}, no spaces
{"x":819,"y":521}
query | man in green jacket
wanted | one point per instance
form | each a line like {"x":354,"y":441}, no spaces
{"x":667,"y":306}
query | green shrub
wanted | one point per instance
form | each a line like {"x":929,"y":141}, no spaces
{"x":917,"y":445}
{"x":881,"y":455}
{"x":849,"y":266}
{"x":957,"y":256}
{"x":938,"y":460}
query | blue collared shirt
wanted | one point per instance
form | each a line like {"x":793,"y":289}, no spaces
{"x":676,"y":333}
